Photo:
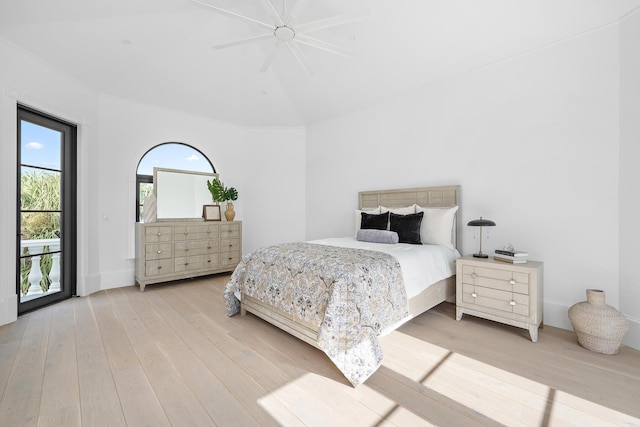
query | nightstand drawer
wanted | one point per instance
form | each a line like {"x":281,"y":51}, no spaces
{"x":505,"y":280}
{"x":492,"y":298}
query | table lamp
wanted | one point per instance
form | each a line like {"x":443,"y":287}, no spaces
{"x":481,"y":223}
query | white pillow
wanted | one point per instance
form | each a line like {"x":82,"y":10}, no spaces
{"x":437,"y":225}
{"x":399,"y":211}
{"x":358,"y":222}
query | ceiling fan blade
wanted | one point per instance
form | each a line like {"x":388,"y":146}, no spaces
{"x":292,"y":15}
{"x":326,"y":46}
{"x":297,"y":52}
{"x":273,"y":12}
{"x":235,"y":15}
{"x":333,"y":21}
{"x":244,"y":41}
{"x":270,"y":56}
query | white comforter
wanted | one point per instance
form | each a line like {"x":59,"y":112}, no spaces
{"x":422,"y":265}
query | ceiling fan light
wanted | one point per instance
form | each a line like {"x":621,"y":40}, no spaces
{"x":284,"y":33}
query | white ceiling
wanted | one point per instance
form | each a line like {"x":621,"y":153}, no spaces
{"x":161,"y":51}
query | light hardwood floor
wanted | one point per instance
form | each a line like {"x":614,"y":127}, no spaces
{"x":170,"y":356}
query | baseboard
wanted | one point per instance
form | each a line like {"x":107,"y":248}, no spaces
{"x":91,"y":285}
{"x":117,"y":279}
{"x":8,"y":309}
{"x":632,"y":337}
{"x":557,"y":315}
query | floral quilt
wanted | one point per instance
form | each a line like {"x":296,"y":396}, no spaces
{"x":352,"y":295}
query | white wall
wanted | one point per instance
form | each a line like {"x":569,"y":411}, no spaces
{"x":113,"y":135}
{"x":630,"y":173}
{"x":247,"y":159}
{"x":531,"y":140}
{"x":27,"y":80}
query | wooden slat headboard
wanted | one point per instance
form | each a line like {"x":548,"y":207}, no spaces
{"x":427,"y":197}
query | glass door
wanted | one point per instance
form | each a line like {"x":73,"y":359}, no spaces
{"x":46,"y":210}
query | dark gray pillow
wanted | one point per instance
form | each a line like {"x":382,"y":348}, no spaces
{"x":407,"y":227}
{"x":374,"y":221}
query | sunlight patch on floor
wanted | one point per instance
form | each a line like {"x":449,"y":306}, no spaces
{"x":495,"y":393}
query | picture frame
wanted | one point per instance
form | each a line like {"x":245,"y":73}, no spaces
{"x":211,"y":213}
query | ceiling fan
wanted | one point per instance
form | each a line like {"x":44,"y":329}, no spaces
{"x":287,"y":32}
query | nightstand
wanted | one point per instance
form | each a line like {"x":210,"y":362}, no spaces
{"x":500,"y":291}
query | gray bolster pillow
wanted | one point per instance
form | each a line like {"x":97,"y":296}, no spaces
{"x":377,"y":236}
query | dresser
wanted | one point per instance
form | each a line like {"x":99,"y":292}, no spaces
{"x":500,"y":291}
{"x":176,"y":250}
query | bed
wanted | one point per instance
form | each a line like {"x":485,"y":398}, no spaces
{"x":341,"y":294}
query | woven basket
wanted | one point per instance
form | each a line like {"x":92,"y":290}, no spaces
{"x":599,"y":327}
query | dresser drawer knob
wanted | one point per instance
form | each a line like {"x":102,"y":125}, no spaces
{"x":186,"y":232}
{"x":159,"y":234}
{"x":208,"y":247}
{"x":474,"y":295}
{"x":474,"y":275}
{"x":186,"y":263}
{"x":208,"y":260}
{"x":512,"y":282}
{"x":159,"y":267}
{"x":159,"y":252}
{"x":512,"y":302}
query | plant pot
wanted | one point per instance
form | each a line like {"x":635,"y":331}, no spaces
{"x":229,"y":213}
{"x":599,"y":326}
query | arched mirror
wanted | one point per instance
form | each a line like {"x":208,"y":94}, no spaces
{"x":187,"y":162}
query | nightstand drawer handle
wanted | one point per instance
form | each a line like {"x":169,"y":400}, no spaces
{"x":474,"y":295}
{"x":512,"y":302}
{"x":512,"y":282}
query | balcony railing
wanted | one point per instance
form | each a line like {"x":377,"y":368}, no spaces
{"x":35,"y":274}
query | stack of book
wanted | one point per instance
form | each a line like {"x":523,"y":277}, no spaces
{"x":514,"y":257}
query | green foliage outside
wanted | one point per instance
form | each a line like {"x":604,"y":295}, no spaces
{"x":40,"y":191}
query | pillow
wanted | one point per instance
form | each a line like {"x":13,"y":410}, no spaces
{"x":400,"y":211}
{"x":359,"y":217}
{"x":437,"y":225}
{"x":407,"y":227}
{"x":377,"y":236}
{"x":377,"y":222}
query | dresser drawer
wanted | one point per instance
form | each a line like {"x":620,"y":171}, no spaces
{"x":196,"y":232}
{"x":154,"y":268}
{"x":159,"y":251}
{"x":158,"y":234}
{"x":230,"y":258}
{"x":189,"y":263}
{"x":196,"y":247}
{"x":508,"y":302}
{"x":505,"y":280}
{"x":229,"y":245}
{"x":232,"y":229}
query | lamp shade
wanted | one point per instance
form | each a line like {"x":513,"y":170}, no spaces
{"x":481,"y":223}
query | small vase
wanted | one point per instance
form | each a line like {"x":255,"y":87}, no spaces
{"x":599,"y":326}
{"x":229,"y":213}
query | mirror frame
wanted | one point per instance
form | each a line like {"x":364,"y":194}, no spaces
{"x":196,"y":217}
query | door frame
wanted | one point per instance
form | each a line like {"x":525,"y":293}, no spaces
{"x":68,"y":238}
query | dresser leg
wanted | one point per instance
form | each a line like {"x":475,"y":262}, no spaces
{"x":458,"y":313}
{"x":141,"y":287}
{"x":533,"y":331}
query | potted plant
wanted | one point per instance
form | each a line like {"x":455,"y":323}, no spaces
{"x":220,"y":193}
